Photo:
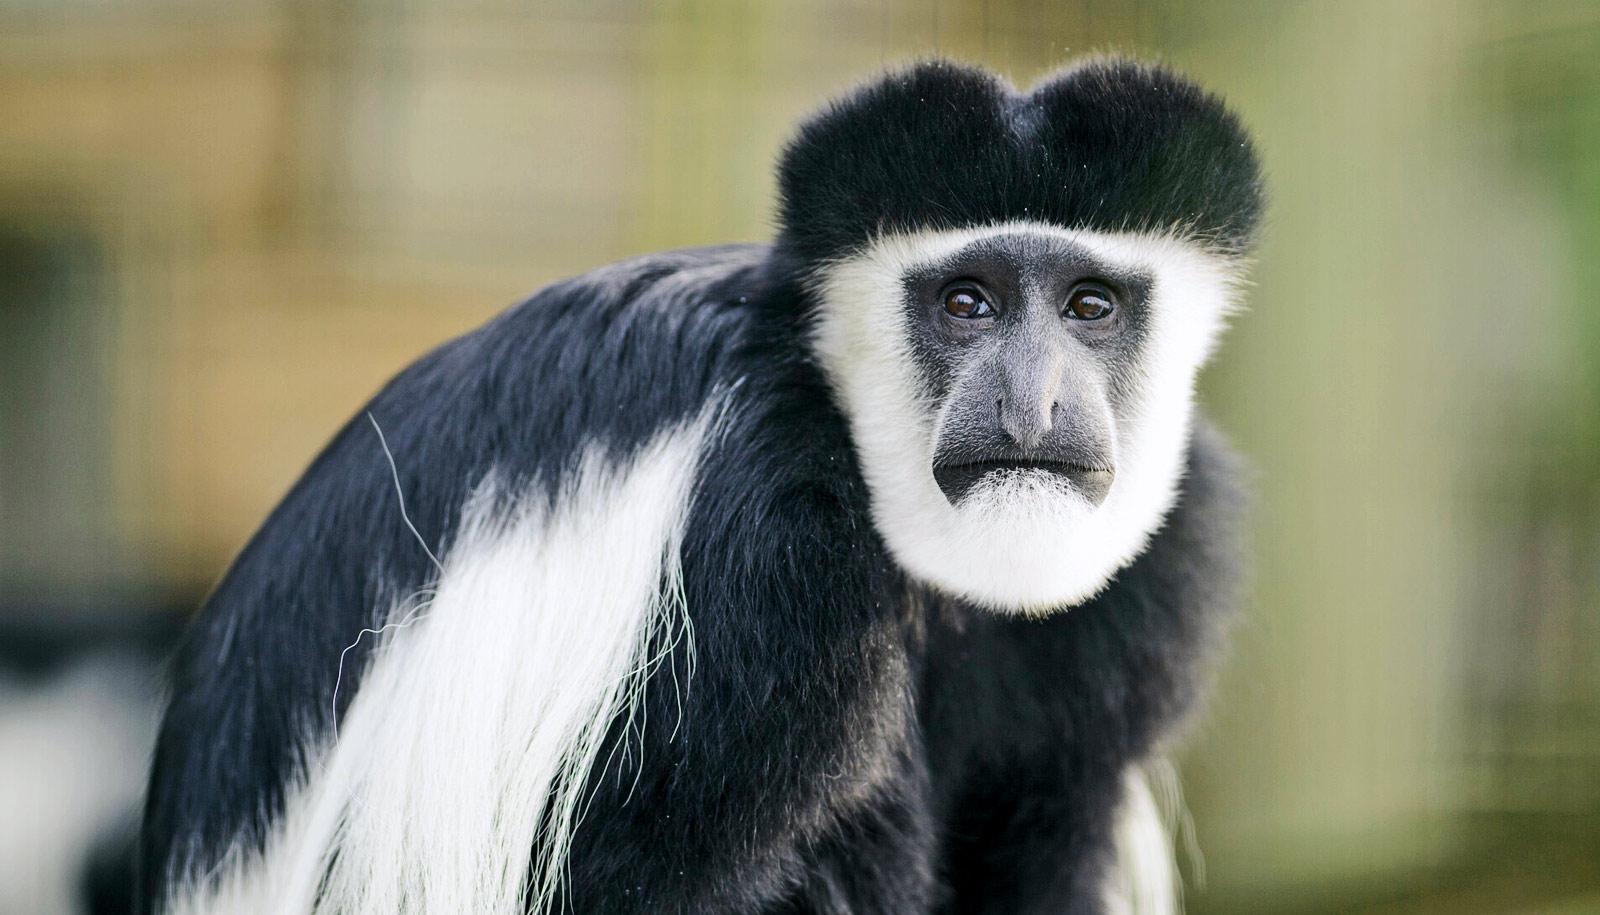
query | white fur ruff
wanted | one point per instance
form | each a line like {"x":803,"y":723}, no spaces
{"x":478,"y":720}
{"x":1019,"y":547}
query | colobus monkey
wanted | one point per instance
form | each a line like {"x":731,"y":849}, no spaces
{"x":855,"y":573}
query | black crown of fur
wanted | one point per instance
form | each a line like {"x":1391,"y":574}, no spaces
{"x":1108,"y":144}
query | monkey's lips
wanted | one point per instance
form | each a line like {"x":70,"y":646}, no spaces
{"x":957,"y":478}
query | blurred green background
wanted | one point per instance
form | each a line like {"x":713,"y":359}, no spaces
{"x":224,"y":225}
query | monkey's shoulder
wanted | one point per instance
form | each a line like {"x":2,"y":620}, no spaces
{"x":607,"y":357}
{"x":612,"y":358}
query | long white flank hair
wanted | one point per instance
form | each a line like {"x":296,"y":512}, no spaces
{"x":485,"y":706}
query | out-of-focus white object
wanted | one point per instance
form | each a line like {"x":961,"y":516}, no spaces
{"x":74,"y":752}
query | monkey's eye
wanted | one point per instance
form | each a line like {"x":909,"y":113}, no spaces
{"x":1090,"y":302}
{"x":967,"y":303}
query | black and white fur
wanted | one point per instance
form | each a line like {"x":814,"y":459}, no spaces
{"x":644,"y":597}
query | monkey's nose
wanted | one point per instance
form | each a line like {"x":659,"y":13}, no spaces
{"x":1026,"y":424}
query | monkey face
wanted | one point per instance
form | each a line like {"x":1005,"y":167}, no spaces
{"x":1020,"y":397}
{"x":1023,"y":344}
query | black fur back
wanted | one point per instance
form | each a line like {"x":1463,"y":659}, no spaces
{"x":608,"y":359}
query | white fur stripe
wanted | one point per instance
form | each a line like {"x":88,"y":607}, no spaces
{"x":476,"y":726}
{"x":1144,"y":878}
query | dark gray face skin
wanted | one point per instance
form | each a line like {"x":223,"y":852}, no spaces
{"x":1030,"y":385}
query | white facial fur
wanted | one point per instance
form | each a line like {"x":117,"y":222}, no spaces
{"x":1018,"y":543}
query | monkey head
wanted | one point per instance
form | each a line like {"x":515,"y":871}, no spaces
{"x":1011,"y":295}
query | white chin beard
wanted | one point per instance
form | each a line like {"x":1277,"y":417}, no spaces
{"x":1006,"y":493}
{"x":1008,"y":543}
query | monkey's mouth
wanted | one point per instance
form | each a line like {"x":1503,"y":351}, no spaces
{"x":957,"y":478}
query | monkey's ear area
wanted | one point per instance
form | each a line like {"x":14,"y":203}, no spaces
{"x":923,"y":147}
{"x":1135,"y":146}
